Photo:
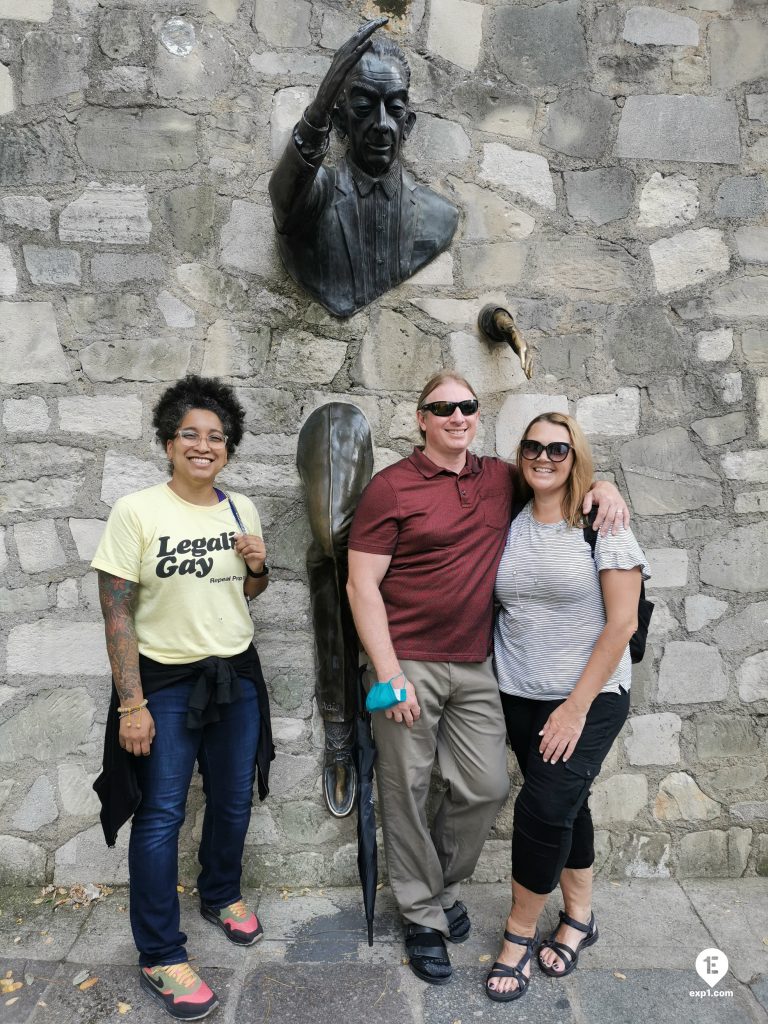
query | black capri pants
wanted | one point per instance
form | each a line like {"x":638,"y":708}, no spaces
{"x":552,"y":826}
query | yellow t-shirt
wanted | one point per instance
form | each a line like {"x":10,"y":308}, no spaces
{"x":190,"y":603}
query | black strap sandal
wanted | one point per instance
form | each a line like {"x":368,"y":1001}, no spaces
{"x":427,"y":955}
{"x":500,"y":970}
{"x":569,"y":957}
{"x":458,"y":921}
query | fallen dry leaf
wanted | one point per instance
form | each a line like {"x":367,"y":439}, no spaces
{"x":619,"y":975}
{"x":38,"y":901}
{"x":7,"y":985}
{"x":88,"y":983}
{"x":17,"y":940}
{"x":29,"y":979}
{"x":80,"y":977}
{"x":179,"y":888}
{"x":484,"y":958}
{"x":124,"y":1007}
{"x":10,"y":1002}
{"x":41,"y":1003}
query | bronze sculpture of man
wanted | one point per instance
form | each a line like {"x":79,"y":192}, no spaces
{"x":350,"y":233}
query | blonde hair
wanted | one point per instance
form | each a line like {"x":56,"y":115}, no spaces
{"x":582,"y":471}
{"x":434,"y":382}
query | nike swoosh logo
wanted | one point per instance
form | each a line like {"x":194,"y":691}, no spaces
{"x":157,"y":982}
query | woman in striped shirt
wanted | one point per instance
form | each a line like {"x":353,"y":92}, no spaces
{"x":562,"y":661}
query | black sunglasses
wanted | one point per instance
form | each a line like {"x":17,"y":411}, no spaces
{"x":467,"y":408}
{"x":557,"y":451}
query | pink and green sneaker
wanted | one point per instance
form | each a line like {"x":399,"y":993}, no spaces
{"x":180,"y":989}
{"x":238,"y":923}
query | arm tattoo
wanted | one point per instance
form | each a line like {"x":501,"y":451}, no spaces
{"x":118,"y":603}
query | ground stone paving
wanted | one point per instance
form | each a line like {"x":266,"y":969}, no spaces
{"x":314,"y":964}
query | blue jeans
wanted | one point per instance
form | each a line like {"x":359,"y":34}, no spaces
{"x":226,"y":755}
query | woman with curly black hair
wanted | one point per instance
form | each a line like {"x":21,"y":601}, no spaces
{"x":178,"y":564}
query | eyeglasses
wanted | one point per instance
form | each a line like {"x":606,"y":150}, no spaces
{"x":215,"y":439}
{"x":557,"y":451}
{"x":467,"y":408}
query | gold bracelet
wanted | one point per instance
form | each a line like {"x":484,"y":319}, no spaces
{"x":136,"y":707}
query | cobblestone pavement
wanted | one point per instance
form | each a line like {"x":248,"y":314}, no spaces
{"x":314,"y":965}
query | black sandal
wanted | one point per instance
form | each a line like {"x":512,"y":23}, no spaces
{"x":459,"y":923}
{"x":569,"y":957}
{"x":500,"y":970}
{"x":427,"y":955}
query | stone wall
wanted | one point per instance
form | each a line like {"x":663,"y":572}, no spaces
{"x":611,"y":163}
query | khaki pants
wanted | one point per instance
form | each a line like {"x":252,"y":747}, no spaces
{"x":463,"y":725}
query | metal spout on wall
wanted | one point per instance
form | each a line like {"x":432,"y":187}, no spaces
{"x":497,"y":324}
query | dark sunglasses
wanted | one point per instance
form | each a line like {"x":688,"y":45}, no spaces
{"x":467,"y":407}
{"x":557,"y":451}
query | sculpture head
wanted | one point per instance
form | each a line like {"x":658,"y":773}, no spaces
{"x":373,"y":109}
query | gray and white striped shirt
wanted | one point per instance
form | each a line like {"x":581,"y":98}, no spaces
{"x":552,"y":608}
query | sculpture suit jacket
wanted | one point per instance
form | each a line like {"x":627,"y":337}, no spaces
{"x":316,"y":214}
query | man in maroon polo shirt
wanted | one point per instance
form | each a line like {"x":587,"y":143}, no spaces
{"x":424,"y":547}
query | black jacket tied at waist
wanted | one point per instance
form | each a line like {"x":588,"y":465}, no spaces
{"x":216,"y":681}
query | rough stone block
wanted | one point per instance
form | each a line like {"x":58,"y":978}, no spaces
{"x":286,"y":25}
{"x":680,"y":799}
{"x":151,"y":359}
{"x":438,"y":146}
{"x":670,"y":567}
{"x":438,"y":272}
{"x":723,"y":561}
{"x":655,"y":739}
{"x":232,"y":353}
{"x":749,"y":502}
{"x":640,"y":338}
{"x":124,"y":473}
{"x":751,"y":466}
{"x":287,"y":107}
{"x":667,"y":202}
{"x":77,"y":796}
{"x":725,"y":781}
{"x":189,"y":212}
{"x":55,"y":722}
{"x":737,"y":51}
{"x":303,"y":357}
{"x":600,"y":195}
{"x":7,"y":100}
{"x":292,"y":774}
{"x":175,"y":312}
{"x":21,"y":600}
{"x":700,"y":610}
{"x":26,"y":415}
{"x":67,"y":595}
{"x":719,"y":430}
{"x":730,"y":387}
{"x":30,"y":350}
{"x":579,"y":124}
{"x":21,"y":862}
{"x":754,"y":345}
{"x":714,"y":346}
{"x":211,"y":286}
{"x":53,"y":64}
{"x":86,"y":858}
{"x":691,"y":673}
{"x":610,"y":415}
{"x":541,"y":46}
{"x":618,"y":799}
{"x":742,"y":196}
{"x":86,"y":534}
{"x":456,"y":312}
{"x":698,"y":129}
{"x":248,"y":240}
{"x":456,"y":31}
{"x":688,"y":259}
{"x":395,"y":354}
{"x":116,"y":214}
{"x":665,"y":474}
{"x":38,"y":807}
{"x":515,"y":415}
{"x":119,"y":415}
{"x":34,"y":154}
{"x":720,"y":736}
{"x":203,"y":74}
{"x":586,"y":268}
{"x":752,"y":243}
{"x":750,"y":810}
{"x":525,"y":174}
{"x":752,"y":677}
{"x":42,"y":495}
{"x":52,"y":266}
{"x":649,"y":26}
{"x":714,"y":853}
{"x":112,"y":269}
{"x":504,"y":113}
{"x":761,"y":407}
{"x":38,"y":545}
{"x":500,"y":263}
{"x":8,"y":277}
{"x":120,"y":35}
{"x":491,"y":368}
{"x":143,"y":140}
{"x":127,"y":86}
{"x":31,"y":212}
{"x":488,"y":216}
{"x":32,"y":10}
{"x":644,"y":856}
{"x":757,"y":107}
